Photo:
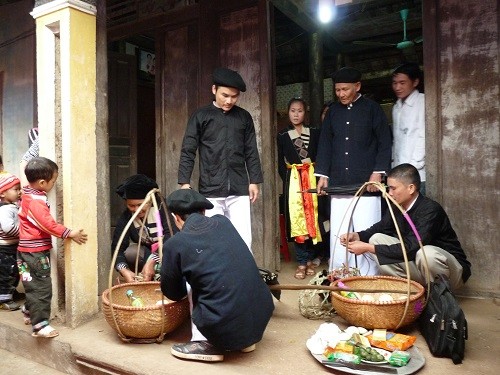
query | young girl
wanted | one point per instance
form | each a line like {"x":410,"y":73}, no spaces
{"x":297,"y":147}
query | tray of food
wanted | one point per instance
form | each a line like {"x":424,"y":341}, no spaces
{"x":351,"y":351}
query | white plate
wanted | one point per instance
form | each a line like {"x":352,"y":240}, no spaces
{"x":385,"y":353}
{"x":416,"y":363}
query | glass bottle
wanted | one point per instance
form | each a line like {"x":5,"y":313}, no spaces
{"x":134,"y":301}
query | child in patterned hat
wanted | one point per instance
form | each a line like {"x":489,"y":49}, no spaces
{"x":10,"y":191}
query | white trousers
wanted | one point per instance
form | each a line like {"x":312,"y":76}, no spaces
{"x":366,"y":213}
{"x":196,"y":335}
{"x":237,"y":210}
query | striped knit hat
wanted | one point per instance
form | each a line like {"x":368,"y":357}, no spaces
{"x":7,"y":181}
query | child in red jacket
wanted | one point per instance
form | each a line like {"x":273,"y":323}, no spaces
{"x":36,"y":226}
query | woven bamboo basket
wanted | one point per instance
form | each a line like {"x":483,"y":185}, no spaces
{"x":143,"y":324}
{"x":375,"y":314}
{"x":152,"y":322}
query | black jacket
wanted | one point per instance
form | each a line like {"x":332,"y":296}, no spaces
{"x":433,"y":226}
{"x":229,"y":159}
{"x":355,"y":141}
{"x":231,"y":303}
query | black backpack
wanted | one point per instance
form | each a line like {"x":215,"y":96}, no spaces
{"x":443,"y":323}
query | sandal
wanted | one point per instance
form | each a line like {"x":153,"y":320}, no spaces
{"x":316,"y":262}
{"x":26,"y":315}
{"x":310,"y":271}
{"x":300,"y":272}
{"x":46,"y":332}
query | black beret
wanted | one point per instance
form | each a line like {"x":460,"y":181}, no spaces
{"x":187,"y":201}
{"x":229,"y":78}
{"x":136,"y":187}
{"x":347,"y":75}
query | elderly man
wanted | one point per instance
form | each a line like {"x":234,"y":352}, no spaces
{"x":442,"y":249}
{"x":208,"y":260}
{"x":224,"y":136}
{"x":355,"y":147}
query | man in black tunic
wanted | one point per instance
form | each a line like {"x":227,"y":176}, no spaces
{"x":223,"y":134}
{"x":355,"y":147}
{"x":209,"y":261}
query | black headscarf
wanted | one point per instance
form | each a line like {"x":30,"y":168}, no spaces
{"x":136,"y":187}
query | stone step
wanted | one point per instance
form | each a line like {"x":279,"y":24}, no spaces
{"x":15,"y":364}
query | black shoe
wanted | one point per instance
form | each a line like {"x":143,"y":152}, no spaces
{"x":197,"y":351}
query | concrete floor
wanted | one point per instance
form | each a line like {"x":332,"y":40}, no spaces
{"x":99,"y":350}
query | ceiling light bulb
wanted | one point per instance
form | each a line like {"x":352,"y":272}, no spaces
{"x":325,"y":10}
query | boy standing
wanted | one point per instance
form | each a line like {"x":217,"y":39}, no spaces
{"x":35,"y":231}
{"x":10,"y":191}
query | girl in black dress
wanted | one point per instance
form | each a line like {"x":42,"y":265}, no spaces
{"x":297,"y":146}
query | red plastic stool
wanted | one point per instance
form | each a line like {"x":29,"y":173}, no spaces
{"x":283,"y":241}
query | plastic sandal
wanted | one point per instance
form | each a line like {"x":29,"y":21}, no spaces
{"x":46,"y":332}
{"x":310,"y":271}
{"x":26,"y":315}
{"x":300,"y":272}
{"x":316,"y":262}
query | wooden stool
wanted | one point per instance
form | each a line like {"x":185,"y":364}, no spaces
{"x":283,"y":241}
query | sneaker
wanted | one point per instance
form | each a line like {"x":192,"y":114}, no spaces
{"x":197,"y":351}
{"x":9,"y":305}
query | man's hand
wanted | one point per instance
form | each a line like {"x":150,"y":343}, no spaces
{"x":377,"y":177}
{"x":78,"y":236}
{"x":253,"y":192}
{"x":322,"y":183}
{"x":185,"y":186}
{"x":360,"y":247}
{"x":345,"y":238}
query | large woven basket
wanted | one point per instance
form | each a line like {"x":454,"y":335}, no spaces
{"x":142,"y":324}
{"x":375,"y":314}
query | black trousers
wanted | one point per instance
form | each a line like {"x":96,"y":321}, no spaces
{"x":9,"y":274}
{"x":37,"y":286}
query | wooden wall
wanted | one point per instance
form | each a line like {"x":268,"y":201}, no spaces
{"x":461,"y":64}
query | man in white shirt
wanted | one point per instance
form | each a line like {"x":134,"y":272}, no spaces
{"x":408,"y":116}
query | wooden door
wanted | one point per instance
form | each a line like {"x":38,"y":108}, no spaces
{"x":122,"y":106}
{"x":234,"y":35}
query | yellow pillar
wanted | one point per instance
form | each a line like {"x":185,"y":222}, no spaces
{"x":66,"y":79}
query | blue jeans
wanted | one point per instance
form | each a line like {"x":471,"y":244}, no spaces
{"x":302,"y":253}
